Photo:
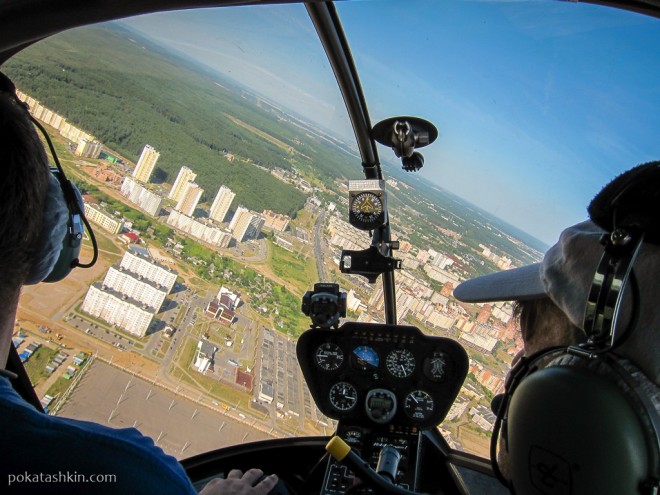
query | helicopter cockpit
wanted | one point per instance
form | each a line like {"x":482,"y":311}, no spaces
{"x":370,"y":231}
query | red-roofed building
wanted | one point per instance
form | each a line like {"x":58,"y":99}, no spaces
{"x":226,"y":316}
{"x":244,"y":379}
{"x":129,"y":238}
{"x":213,"y":308}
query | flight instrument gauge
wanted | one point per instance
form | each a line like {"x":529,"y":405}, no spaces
{"x":437,"y":367}
{"x":400,"y":363}
{"x":329,"y":356}
{"x":366,"y":204}
{"x":365,"y":358}
{"x":343,"y":396}
{"x":418,"y":405}
{"x":380,"y":405}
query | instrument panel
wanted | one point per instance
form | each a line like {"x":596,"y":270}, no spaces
{"x":376,"y":374}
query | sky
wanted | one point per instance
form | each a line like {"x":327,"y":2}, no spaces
{"x":538,"y":104}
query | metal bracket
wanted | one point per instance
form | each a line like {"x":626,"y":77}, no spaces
{"x":369,"y":263}
{"x":606,"y":293}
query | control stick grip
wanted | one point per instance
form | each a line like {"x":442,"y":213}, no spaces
{"x":388,"y":462}
{"x":342,"y":452}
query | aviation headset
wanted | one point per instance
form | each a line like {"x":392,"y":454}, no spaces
{"x":580,"y":419}
{"x":62,"y":232}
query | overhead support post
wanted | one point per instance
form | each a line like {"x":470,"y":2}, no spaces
{"x":330,"y":32}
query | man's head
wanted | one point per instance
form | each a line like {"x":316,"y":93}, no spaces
{"x":23,"y":190}
{"x":565,"y":277}
{"x":559,"y":404}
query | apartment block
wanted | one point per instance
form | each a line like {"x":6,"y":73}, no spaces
{"x":135,"y":287}
{"x":141,"y":197}
{"x":185,"y":175}
{"x":88,"y":148}
{"x":275,"y":221}
{"x":136,"y":261}
{"x":189,"y":199}
{"x":146,"y":163}
{"x":117,"y":309}
{"x":199,"y":229}
{"x":103,"y":219}
{"x":248,"y":226}
{"x":221,"y":204}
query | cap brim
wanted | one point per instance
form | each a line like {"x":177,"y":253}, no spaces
{"x":510,"y":285}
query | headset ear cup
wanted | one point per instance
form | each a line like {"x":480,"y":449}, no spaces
{"x":61,"y":237}
{"x":571,"y":430}
{"x":72,"y":242}
{"x":67,"y":260}
{"x":53,"y":233}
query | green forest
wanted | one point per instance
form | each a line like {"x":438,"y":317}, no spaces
{"x":129,"y":92}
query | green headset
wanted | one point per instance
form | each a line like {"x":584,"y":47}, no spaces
{"x":580,"y":419}
{"x":64,"y":216}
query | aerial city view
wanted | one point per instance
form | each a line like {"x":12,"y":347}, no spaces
{"x":216,"y":208}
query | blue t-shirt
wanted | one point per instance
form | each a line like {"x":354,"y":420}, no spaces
{"x":52,"y":455}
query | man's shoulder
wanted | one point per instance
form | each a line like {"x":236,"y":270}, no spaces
{"x":41,"y":443}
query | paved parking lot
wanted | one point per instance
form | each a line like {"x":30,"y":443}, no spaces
{"x":279,"y":368}
{"x":179,"y":426}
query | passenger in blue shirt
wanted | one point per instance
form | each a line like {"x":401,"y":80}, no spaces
{"x":47,"y":454}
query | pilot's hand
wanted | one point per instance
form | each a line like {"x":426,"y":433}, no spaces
{"x":237,"y":483}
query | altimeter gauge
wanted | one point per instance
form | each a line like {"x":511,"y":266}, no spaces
{"x":400,"y":363}
{"x":366,"y":204}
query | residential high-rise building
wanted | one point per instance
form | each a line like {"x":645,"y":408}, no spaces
{"x":189,"y":199}
{"x":185,"y":175}
{"x":131,"y":293}
{"x":136,"y":261}
{"x":237,"y":214}
{"x":146,"y":164}
{"x":248,"y":226}
{"x":142,"y":197}
{"x":135,"y":287}
{"x":103,"y":218}
{"x":221,"y":203}
{"x":118,"y":309}
{"x":88,"y":148}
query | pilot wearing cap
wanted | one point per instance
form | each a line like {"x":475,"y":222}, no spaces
{"x":551,"y":299}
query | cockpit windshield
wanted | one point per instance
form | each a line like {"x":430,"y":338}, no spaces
{"x":214,"y":151}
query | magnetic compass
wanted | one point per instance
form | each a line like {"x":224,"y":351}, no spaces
{"x":366,"y":204}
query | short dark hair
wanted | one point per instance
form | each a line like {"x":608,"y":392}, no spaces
{"x":24,"y":183}
{"x":543,"y":324}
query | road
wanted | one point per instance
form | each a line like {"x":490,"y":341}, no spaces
{"x":318,"y":246}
